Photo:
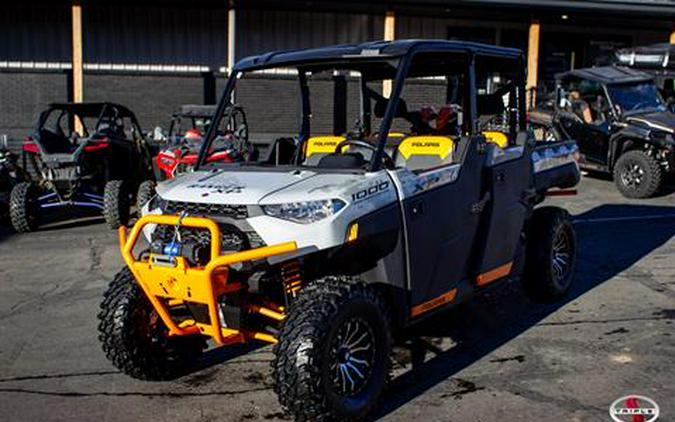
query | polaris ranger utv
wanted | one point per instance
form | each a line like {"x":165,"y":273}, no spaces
{"x":341,"y":237}
{"x":84,"y":155}
{"x":620,"y":123}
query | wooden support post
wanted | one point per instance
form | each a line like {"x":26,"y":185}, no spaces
{"x":532,"y":61}
{"x":231,"y":36}
{"x":78,"y":85}
{"x":389,"y":35}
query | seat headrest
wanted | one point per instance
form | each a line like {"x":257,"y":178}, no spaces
{"x":440,"y":146}
{"x":495,"y":137}
{"x":323,"y":145}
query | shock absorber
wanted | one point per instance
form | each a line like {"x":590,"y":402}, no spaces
{"x":291,"y":275}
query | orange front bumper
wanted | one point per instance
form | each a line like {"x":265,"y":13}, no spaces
{"x":175,"y":283}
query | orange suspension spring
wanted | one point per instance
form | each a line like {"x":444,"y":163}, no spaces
{"x":291,"y":274}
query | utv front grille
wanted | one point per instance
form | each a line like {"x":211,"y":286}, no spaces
{"x":62,"y":173}
{"x":231,"y":238}
{"x":237,"y":212}
{"x":230,"y":241}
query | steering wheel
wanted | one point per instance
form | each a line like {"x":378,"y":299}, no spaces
{"x":386,"y":159}
{"x":237,"y":129}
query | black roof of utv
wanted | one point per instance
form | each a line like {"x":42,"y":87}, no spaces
{"x":607,"y":75}
{"x":373,"y":49}
{"x":93,"y":109}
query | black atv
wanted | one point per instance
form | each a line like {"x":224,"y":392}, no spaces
{"x":85,"y":155}
{"x":620,"y":123}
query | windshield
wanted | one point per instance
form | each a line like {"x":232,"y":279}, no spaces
{"x":636,"y":98}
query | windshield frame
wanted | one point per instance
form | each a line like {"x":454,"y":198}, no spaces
{"x":400,"y":64}
{"x":402,"y":69}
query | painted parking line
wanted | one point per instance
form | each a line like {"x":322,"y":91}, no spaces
{"x":626,"y":218}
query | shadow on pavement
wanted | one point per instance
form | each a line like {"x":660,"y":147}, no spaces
{"x":73,"y":223}
{"x":611,"y":239}
{"x":57,"y":220}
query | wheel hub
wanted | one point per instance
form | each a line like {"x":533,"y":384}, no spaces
{"x":352,"y":354}
{"x":632,"y":175}
{"x":561,"y":256}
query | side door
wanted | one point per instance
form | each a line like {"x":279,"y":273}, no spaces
{"x":592,"y":138}
{"x":593,"y":144}
{"x":438,"y":207}
{"x":589,"y":139}
{"x":508,"y":176}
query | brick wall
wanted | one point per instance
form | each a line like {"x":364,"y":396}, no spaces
{"x":153,"y":98}
{"x":24,"y":95}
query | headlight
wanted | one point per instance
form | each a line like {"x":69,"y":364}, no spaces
{"x":304,"y":212}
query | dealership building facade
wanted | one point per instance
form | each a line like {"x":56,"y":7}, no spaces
{"x":155,"y":55}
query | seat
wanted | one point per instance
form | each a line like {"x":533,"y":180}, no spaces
{"x":424,"y":152}
{"x":318,"y":147}
{"x":52,"y":143}
{"x":498,"y":138}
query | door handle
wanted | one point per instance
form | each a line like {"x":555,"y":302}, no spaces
{"x":478,"y":207}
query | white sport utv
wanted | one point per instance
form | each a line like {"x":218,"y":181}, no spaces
{"x":337,"y":239}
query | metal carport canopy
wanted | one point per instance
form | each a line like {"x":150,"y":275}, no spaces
{"x":661,"y":8}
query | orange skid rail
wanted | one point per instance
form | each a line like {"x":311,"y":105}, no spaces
{"x":180,"y":282}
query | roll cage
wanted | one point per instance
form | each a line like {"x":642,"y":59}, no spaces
{"x":606,"y":79}
{"x":192,"y":114}
{"x":107,"y":114}
{"x":377,"y":61}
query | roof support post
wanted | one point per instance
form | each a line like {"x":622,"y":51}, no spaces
{"x":532,"y":62}
{"x":76,"y":57}
{"x":389,"y":35}
{"x":231,"y":36}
